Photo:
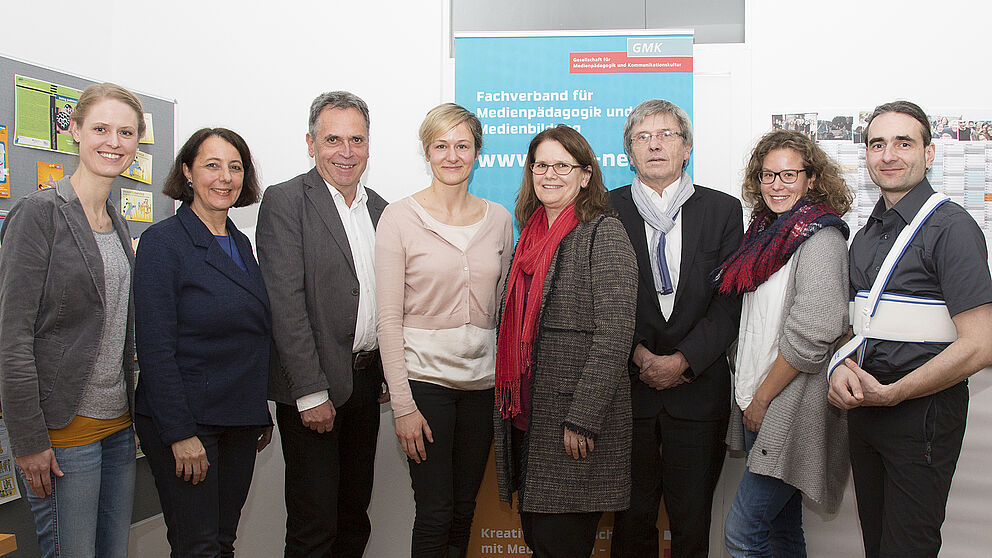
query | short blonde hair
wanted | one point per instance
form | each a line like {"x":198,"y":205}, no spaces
{"x":446,"y":116}
{"x":99,"y":91}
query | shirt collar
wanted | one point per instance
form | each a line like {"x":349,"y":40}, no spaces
{"x":360,"y":195}
{"x":909,"y":205}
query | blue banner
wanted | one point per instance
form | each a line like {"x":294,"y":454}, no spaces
{"x":519,"y":85}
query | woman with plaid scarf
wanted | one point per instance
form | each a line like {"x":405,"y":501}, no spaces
{"x":792,"y":271}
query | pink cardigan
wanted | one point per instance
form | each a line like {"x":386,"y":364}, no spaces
{"x":424,"y":282}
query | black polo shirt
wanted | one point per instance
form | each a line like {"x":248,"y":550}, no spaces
{"x":947,"y":260}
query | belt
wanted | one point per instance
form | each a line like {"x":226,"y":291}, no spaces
{"x":363,"y":360}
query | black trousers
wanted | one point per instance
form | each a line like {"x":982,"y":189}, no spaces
{"x":685,"y":472}
{"x":560,"y":535}
{"x":329,"y":475}
{"x":903,"y":458}
{"x":445,"y":485}
{"x":202,"y":519}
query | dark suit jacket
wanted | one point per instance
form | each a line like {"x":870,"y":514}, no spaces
{"x":309,"y":271}
{"x":702,"y":325}
{"x":202,"y":328}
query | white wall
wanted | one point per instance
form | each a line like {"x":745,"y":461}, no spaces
{"x":255,"y":66}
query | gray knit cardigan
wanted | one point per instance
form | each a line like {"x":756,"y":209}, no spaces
{"x":803,"y":439}
{"x":579,"y":378}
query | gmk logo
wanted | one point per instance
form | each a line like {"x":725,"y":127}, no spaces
{"x":646,"y":47}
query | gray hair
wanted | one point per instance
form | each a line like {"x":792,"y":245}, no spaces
{"x":656,"y":106}
{"x":336,"y":99}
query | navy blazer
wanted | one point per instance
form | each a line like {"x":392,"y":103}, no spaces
{"x":202,"y":328}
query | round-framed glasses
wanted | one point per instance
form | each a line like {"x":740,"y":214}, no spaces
{"x":787,"y":176}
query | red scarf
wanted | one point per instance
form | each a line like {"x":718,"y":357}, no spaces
{"x":514,"y":347}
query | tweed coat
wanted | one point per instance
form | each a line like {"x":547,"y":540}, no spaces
{"x":803,"y":439}
{"x":579,"y":378}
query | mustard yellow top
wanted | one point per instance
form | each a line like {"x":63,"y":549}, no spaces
{"x":85,"y":430}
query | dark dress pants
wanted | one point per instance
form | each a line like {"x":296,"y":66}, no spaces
{"x":560,"y":535}
{"x":685,"y":472}
{"x":202,"y":519}
{"x":329,"y":475}
{"x":445,"y":485}
{"x":903,"y":458}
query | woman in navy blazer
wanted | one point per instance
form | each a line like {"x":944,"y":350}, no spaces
{"x":203,"y":331}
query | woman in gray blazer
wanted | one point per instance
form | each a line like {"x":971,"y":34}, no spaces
{"x":66,"y":338}
{"x":792,"y":271}
{"x":563,"y":422}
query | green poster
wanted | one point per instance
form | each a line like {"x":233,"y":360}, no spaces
{"x":42,"y":112}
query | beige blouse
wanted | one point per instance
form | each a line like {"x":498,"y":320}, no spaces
{"x":436,"y":301}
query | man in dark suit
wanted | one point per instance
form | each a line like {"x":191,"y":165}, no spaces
{"x":680,"y":378}
{"x":316,"y":238}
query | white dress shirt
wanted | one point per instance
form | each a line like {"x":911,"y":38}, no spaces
{"x":673,"y":240}
{"x":361,"y":238}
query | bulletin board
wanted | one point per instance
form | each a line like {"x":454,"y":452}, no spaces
{"x":24,"y":90}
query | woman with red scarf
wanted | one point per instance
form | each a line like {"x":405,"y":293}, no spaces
{"x":563,"y":422}
{"x":792,"y":271}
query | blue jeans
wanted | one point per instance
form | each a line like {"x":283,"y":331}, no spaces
{"x":88,"y":512}
{"x":766,"y":518}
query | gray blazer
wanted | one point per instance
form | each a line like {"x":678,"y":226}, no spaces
{"x":51,"y":313}
{"x":579,"y":378}
{"x":803,"y":438}
{"x":309,"y":273}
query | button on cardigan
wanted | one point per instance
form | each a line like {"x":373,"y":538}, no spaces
{"x":425,"y":282}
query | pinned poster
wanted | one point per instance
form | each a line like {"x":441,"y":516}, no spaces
{"x":4,"y":182}
{"x":140,"y":169}
{"x":136,"y":205}
{"x":49,"y":174}
{"x":149,"y":136}
{"x":8,"y":481}
{"x":42,"y":112}
{"x":519,"y":84}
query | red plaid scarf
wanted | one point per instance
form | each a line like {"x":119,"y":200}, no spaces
{"x":535,"y":250}
{"x":769,"y":243}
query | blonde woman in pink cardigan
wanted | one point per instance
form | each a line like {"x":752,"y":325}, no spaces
{"x":441,"y":258}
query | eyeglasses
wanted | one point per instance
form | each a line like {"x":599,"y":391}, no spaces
{"x":663,"y":135}
{"x":788,"y":176}
{"x":561,"y":169}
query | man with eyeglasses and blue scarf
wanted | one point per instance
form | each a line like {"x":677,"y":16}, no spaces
{"x":680,"y":377}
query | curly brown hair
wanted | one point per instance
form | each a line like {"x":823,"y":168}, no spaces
{"x":829,"y":186}
{"x":590,"y":202}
